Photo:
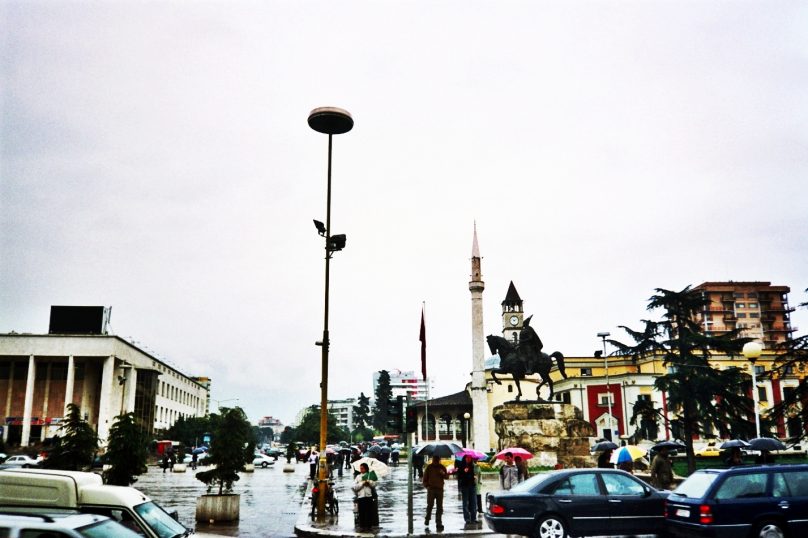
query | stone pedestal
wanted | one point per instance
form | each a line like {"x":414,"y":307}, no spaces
{"x":553,"y":432}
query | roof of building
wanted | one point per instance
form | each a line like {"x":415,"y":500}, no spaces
{"x":457,"y":399}
{"x":512,"y":297}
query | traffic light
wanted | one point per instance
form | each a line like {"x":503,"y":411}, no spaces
{"x":395,"y":415}
{"x":412,"y":419}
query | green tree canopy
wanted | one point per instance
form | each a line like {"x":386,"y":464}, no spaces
{"x":126,"y":451}
{"x":792,"y":358}
{"x":190,"y":431}
{"x":381,"y":408}
{"x":75,"y":448}
{"x":698,"y":395}
{"x":232,"y":447}
{"x":361,"y":412}
{"x":308,"y":431}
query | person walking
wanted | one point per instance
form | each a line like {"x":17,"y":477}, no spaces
{"x":434,"y":476}
{"x":604,"y":460}
{"x":478,"y":485}
{"x":364,"y":488}
{"x":735,"y":457}
{"x":194,"y":459}
{"x":661,"y":470}
{"x":521,"y":465}
{"x":417,"y":466}
{"x":466,"y":481}
{"x":508,"y":473}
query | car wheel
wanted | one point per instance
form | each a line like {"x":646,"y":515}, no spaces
{"x":264,"y":464}
{"x":769,"y":529}
{"x":551,"y":527}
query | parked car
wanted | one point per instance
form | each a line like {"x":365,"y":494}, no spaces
{"x":765,"y":501}
{"x":577,"y":502}
{"x":273,"y":452}
{"x":63,"y":525}
{"x":21,"y":461}
{"x":262,"y":460}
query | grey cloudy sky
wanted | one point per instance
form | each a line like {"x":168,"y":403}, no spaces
{"x":156,"y":158}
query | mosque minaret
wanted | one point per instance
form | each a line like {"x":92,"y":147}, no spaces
{"x":481,"y":437}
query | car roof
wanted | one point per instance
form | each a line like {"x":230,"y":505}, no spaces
{"x":757,"y":467}
{"x":65,"y":520}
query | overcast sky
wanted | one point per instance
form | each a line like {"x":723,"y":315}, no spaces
{"x":155,"y":157}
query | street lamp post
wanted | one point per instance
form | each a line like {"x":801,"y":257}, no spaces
{"x":603,"y":336}
{"x":466,"y":416}
{"x":752,"y":351}
{"x":330,"y":121}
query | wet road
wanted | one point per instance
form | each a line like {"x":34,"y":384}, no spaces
{"x":272,"y":502}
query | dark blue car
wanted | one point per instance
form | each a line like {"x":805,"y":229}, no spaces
{"x":577,"y":502}
{"x":762,"y":501}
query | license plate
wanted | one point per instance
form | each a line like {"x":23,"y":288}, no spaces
{"x":683,"y":512}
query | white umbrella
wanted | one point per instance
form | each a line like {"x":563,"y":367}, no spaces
{"x":373,"y":464}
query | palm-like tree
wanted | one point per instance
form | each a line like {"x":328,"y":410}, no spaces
{"x":698,"y":395}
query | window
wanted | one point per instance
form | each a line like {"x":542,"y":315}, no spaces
{"x":740,"y":305}
{"x":603,"y":400}
{"x":760,"y":369}
{"x":751,"y":295}
{"x":741,"y":315}
{"x":762,"y":394}
{"x":753,"y":305}
{"x":617,"y":484}
{"x":738,"y":295}
{"x":586,"y":372}
{"x":754,"y":315}
{"x":742,"y":486}
{"x":578,"y":484}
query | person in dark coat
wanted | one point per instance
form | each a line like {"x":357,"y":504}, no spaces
{"x":603,"y":460}
{"x":466,"y":481}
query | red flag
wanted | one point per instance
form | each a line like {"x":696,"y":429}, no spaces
{"x":422,"y":338}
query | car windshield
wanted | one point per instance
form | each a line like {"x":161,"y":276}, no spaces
{"x":696,"y":485}
{"x":107,"y":529}
{"x":531,"y":483}
{"x":159,"y":521}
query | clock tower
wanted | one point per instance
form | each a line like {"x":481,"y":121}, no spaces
{"x":512,"y":315}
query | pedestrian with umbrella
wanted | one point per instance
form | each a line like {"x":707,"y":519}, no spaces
{"x":733,"y":448}
{"x":624,"y":457}
{"x":765,"y":445}
{"x":365,"y":489}
{"x":605,"y":448}
{"x":508,"y":473}
{"x":434,"y":476}
{"x":417,"y":464}
{"x":661,"y":466}
{"x":466,"y":482}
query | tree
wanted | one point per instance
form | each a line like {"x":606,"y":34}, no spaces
{"x":189,"y":431}
{"x":75,"y":449}
{"x":232,"y":447}
{"x":308,"y":430}
{"x":361,"y":412}
{"x":647,"y":414}
{"x":381,"y":408}
{"x":126,"y":451}
{"x":699,"y":396}
{"x":792,"y":357}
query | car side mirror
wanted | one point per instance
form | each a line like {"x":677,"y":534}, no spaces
{"x":174,"y":515}
{"x":648,"y":492}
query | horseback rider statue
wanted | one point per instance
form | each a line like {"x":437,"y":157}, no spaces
{"x":526,"y":358}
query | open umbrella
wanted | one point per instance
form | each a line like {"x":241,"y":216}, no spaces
{"x":475,"y":454}
{"x":603,"y":445}
{"x":373,"y":464}
{"x":734,"y":443}
{"x":627,"y":453}
{"x":514,"y":451}
{"x":670,"y":445}
{"x":766,"y":443}
{"x":441,"y":449}
{"x":199,"y":450}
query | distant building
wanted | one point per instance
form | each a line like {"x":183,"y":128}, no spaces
{"x":403,"y":383}
{"x":758,"y":309}
{"x":343,"y":410}
{"x":267,"y":424}
{"x":103,"y":374}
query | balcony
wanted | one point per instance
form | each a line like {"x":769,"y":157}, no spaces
{"x":779,"y":329}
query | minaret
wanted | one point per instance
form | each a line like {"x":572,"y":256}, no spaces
{"x":479,"y":396}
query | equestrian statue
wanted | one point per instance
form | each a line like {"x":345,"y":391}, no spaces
{"x":525,"y":358}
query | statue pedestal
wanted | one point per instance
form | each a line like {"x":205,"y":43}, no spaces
{"x":553,"y":432}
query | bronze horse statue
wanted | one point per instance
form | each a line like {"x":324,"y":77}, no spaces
{"x":519,"y":364}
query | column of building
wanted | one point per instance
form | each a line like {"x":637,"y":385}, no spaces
{"x":481,"y":439}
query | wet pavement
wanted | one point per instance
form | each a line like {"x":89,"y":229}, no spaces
{"x":277,"y":503}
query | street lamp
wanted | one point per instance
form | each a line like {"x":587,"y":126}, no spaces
{"x":603,"y":336}
{"x":752,"y":351}
{"x":466,"y":416}
{"x":330,"y":121}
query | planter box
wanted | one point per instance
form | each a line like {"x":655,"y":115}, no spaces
{"x":249,"y":468}
{"x":288,"y":467}
{"x":179,"y":468}
{"x":218,"y":508}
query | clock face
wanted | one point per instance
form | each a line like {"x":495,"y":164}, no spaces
{"x":514,"y":320}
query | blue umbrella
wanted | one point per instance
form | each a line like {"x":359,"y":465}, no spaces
{"x":199,"y":450}
{"x":627,"y":453}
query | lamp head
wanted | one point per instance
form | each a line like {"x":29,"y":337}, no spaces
{"x":752,"y":350}
{"x":603,"y":334}
{"x":320,"y":227}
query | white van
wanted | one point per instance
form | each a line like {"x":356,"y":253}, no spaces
{"x":86,"y":492}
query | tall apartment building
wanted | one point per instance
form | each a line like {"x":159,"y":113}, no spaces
{"x":403,"y":383}
{"x":343,"y":411}
{"x":759,"y":309}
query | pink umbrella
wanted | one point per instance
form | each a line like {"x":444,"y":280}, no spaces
{"x":515,"y":451}
{"x":475,"y":454}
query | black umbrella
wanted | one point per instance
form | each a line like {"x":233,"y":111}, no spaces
{"x":386,"y":450}
{"x":670,"y":445}
{"x":345,"y":450}
{"x":734,"y":443}
{"x":440,"y":448}
{"x":604,"y":445}
{"x":766,"y":443}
